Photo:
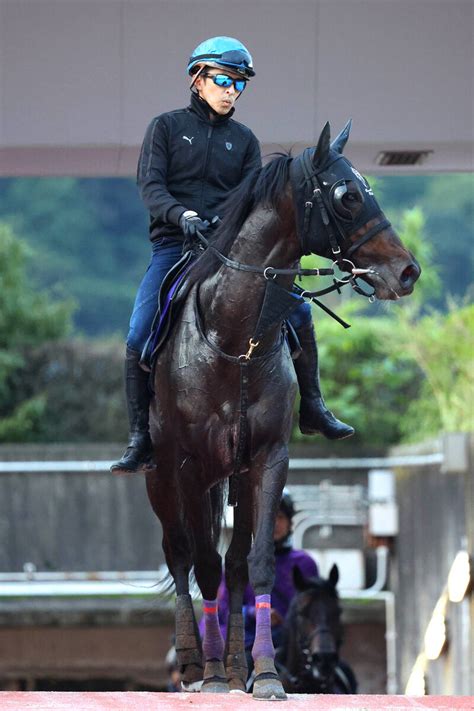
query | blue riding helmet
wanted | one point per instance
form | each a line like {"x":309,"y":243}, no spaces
{"x":225,"y":52}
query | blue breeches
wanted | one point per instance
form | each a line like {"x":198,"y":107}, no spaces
{"x":165,"y":254}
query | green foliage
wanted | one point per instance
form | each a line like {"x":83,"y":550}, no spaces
{"x":89,"y":236}
{"x":27,"y":318}
{"x":442,"y":347}
{"x":401,"y":371}
{"x":88,"y":239}
{"x":439,"y":342}
{"x":405,"y":373}
{"x":25,"y":423}
{"x":80,"y":386}
{"x":362,"y":383}
{"x":447,"y":202}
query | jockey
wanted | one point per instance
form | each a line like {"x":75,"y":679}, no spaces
{"x":190,"y":160}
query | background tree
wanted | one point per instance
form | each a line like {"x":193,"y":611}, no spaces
{"x":402,"y":370}
{"x":89,"y":237}
{"x":27,"y":318}
{"x":89,"y":241}
{"x":405,"y":372}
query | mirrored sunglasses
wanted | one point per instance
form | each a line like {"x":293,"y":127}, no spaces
{"x":225,"y":81}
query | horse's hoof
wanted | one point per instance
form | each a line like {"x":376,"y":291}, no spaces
{"x":268,"y":690}
{"x":215,"y":686}
{"x":215,"y":679}
{"x":237,"y":685}
{"x":191,"y":687}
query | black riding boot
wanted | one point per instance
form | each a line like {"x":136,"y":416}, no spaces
{"x":314,"y":415}
{"x":139,"y":450}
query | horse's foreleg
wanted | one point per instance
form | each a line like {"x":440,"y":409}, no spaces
{"x":208,"y":572}
{"x":262,"y":575}
{"x":236,"y":570}
{"x":176,"y":546}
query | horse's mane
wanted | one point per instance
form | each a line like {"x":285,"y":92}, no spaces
{"x":262,"y":187}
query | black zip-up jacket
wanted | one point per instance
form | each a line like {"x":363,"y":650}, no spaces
{"x":188,"y":162}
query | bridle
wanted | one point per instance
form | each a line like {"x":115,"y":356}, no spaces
{"x":308,"y":662}
{"x":317,"y":218}
{"x":317,"y":208}
{"x":342,"y":246}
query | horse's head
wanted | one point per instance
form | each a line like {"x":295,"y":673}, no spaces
{"x":338,"y":217}
{"x":316,"y":618}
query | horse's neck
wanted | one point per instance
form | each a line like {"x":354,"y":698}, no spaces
{"x":231,"y":299}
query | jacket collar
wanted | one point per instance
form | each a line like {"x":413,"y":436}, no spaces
{"x":202,"y":109}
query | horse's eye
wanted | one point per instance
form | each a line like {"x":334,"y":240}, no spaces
{"x":352,"y":197}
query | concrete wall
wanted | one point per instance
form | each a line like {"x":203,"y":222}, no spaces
{"x":436,"y":505}
{"x":93,"y":521}
{"x":80,"y":79}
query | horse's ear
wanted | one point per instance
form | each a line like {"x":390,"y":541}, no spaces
{"x":321,"y":153}
{"x":341,"y":140}
{"x":299,"y":579}
{"x":334,"y":575}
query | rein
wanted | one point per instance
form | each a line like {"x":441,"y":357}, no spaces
{"x":272,"y":272}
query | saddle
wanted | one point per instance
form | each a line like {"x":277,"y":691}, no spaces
{"x":171,"y":297}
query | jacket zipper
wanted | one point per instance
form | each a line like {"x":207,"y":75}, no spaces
{"x":206,"y":157}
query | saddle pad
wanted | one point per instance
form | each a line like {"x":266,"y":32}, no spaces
{"x":171,"y":296}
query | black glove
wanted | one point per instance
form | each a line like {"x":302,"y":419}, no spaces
{"x":192,"y":225}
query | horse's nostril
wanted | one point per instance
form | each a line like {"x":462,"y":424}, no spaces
{"x":410,"y":274}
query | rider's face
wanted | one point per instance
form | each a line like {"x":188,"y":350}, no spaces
{"x":221,"y":99}
{"x":282,"y":526}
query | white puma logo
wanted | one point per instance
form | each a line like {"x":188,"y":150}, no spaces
{"x":189,"y":139}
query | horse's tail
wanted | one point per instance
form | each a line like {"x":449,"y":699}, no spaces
{"x":217,"y":497}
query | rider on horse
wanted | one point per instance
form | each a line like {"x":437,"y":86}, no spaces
{"x":190,"y":160}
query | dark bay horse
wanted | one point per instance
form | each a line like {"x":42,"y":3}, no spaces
{"x":308,"y":661}
{"x":226,"y":387}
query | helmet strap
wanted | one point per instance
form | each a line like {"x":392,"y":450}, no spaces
{"x":196,"y":76}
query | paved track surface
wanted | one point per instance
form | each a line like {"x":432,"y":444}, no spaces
{"x":148,"y":701}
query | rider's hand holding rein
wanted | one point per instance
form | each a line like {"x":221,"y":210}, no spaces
{"x":191,"y":225}
{"x":193,"y":229}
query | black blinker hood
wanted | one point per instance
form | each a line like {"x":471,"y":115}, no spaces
{"x":314,"y":223}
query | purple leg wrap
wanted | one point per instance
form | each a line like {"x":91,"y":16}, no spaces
{"x":213,"y":644}
{"x":263,"y":645}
